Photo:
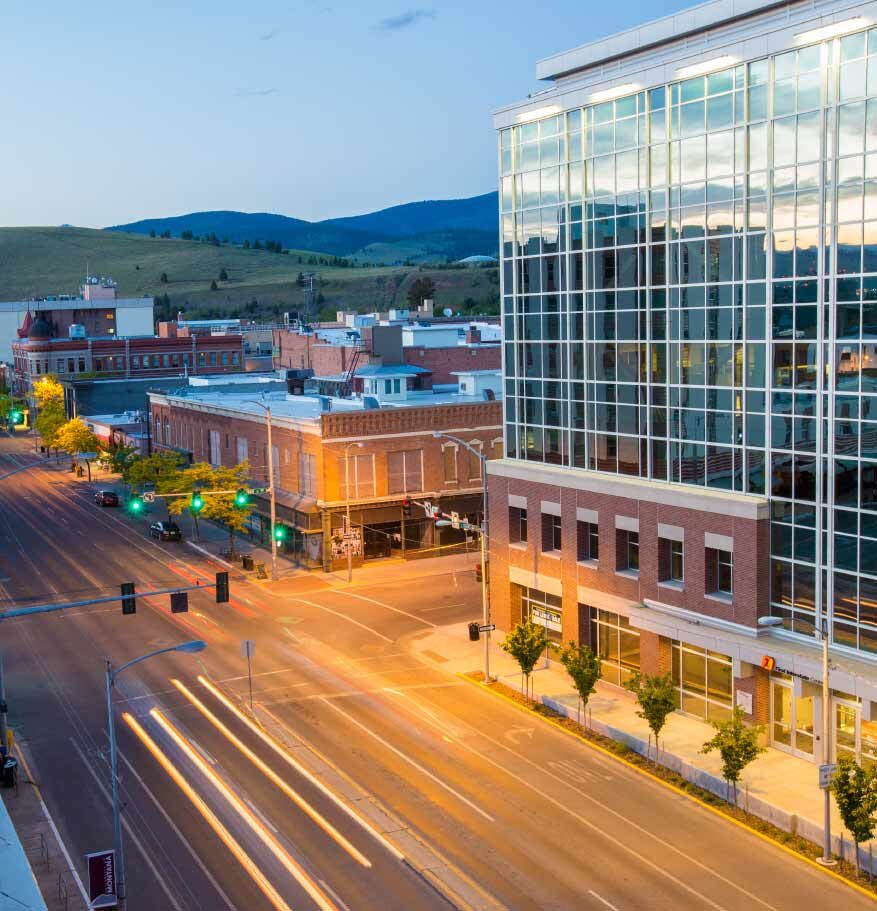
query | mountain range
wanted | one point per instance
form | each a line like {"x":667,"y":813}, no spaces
{"x":427,"y":231}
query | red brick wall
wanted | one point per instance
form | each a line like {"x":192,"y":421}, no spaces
{"x":443,"y":362}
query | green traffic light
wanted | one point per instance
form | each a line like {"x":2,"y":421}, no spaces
{"x":136,"y":505}
{"x":241,"y":498}
{"x":197,"y":503}
{"x":15,"y":417}
{"x":280,"y":533}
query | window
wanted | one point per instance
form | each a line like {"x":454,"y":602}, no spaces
{"x":627,"y":551}
{"x":704,"y":680}
{"x":719,"y":571}
{"x":551,"y":533}
{"x":135,"y":361}
{"x":82,"y":365}
{"x":616,"y":644}
{"x":360,"y":470}
{"x":157,"y":429}
{"x":212,"y":358}
{"x":517,"y":525}
{"x":670,"y":560}
{"x":405,"y":471}
{"x":165,"y":360}
{"x":449,"y":463}
{"x":588,"y":541}
{"x":235,"y":358}
{"x":225,"y":358}
{"x":496,"y":448}
{"x":307,"y":474}
{"x":474,"y":461}
{"x":544,"y":609}
{"x":215,"y":453}
{"x":242,"y":450}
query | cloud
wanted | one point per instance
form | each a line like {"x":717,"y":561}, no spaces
{"x":258,"y":92}
{"x":405,"y":20}
{"x":267,"y":36}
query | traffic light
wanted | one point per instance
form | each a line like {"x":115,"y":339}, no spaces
{"x":136,"y":505}
{"x":222,"y":588}
{"x":406,"y":506}
{"x":196,"y":504}
{"x":179,"y":602}
{"x":15,"y":417}
{"x":279,"y":533}
{"x":129,"y":604}
{"x":241,"y":498}
{"x":474,"y":631}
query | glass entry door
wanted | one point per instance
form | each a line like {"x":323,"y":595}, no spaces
{"x":853,"y":736}
{"x":791,"y":720}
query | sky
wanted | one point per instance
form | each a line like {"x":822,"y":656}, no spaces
{"x":116,"y":111}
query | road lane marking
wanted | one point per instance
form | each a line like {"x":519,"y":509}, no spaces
{"x":408,"y":759}
{"x":269,"y":773}
{"x":210,"y":817}
{"x":292,"y":866}
{"x":329,"y":610}
{"x":334,"y":895}
{"x":396,"y":610}
{"x":432,"y":717}
{"x":274,"y":745}
{"x":192,"y":852}
{"x":162,"y":880}
{"x":601,"y":899}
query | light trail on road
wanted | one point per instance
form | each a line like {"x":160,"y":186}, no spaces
{"x":258,"y":827}
{"x":209,"y":816}
{"x":266,"y":770}
{"x":271,"y":742}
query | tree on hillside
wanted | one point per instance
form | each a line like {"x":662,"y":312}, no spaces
{"x":166,"y":235}
{"x":737,"y":744}
{"x":214,"y":286}
{"x":219,"y":508}
{"x":223,"y":275}
{"x":656,"y":696}
{"x":163,"y":278}
{"x":257,"y":245}
{"x":246,"y":245}
{"x":525,"y":643}
{"x":152,"y":232}
{"x":74,"y":437}
{"x":421,"y":289}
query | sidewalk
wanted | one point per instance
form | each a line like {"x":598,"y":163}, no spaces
{"x":777,"y":787}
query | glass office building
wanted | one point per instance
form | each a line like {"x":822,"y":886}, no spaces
{"x":689,"y":278}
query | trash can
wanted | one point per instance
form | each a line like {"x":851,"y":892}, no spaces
{"x":10,"y":772}
{"x":247,"y":561}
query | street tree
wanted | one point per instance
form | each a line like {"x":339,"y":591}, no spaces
{"x":737,"y":743}
{"x":219,"y":507}
{"x":74,"y":436}
{"x":50,"y":419}
{"x":223,"y":275}
{"x":656,"y":697}
{"x":120,"y":456}
{"x":525,"y":643}
{"x":855,"y":793}
{"x":159,"y":471}
{"x":421,"y":289}
{"x":47,"y":389}
{"x":584,"y":668}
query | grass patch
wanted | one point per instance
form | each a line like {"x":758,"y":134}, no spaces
{"x":796,"y":843}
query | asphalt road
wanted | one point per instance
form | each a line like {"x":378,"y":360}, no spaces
{"x":222,"y":813}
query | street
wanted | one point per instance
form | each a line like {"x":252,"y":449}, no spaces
{"x":363,"y":777}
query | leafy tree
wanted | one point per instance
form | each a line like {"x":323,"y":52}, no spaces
{"x":421,"y":289}
{"x":214,"y":286}
{"x":584,"y":668}
{"x":50,"y":419}
{"x":257,"y":245}
{"x":163,"y":278}
{"x":187,"y":235}
{"x":152,"y":232}
{"x":525,"y":643}
{"x":246,"y":245}
{"x":220,"y":507}
{"x":737,"y":744}
{"x":223,"y":275}
{"x":48,"y":389}
{"x":120,"y":457}
{"x":166,"y":235}
{"x":656,"y":696}
{"x":161,"y":470}
{"x":74,"y":436}
{"x":855,"y":793}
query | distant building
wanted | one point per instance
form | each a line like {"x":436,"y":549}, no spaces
{"x":258,"y":338}
{"x":97,"y":308}
{"x":378,"y":449}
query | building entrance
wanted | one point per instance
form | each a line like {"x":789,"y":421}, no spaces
{"x":791,"y":720}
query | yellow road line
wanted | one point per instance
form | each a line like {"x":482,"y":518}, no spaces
{"x":674,"y":788}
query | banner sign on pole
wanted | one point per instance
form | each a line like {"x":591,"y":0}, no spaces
{"x":102,"y":879}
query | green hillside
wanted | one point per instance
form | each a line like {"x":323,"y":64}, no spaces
{"x":35,"y":262}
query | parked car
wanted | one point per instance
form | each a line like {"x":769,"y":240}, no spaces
{"x":166,"y":531}
{"x":106,"y":498}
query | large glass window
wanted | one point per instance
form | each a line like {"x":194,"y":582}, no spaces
{"x":704,"y":680}
{"x":405,"y":471}
{"x":544,"y":609}
{"x":616,"y":643}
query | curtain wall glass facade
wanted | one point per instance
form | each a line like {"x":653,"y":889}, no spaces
{"x":677,"y":263}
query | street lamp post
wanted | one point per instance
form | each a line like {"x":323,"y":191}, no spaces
{"x":267,"y":409}
{"x":196,"y":645}
{"x":485,"y":595}
{"x":348,"y":543}
{"x":822,"y":631}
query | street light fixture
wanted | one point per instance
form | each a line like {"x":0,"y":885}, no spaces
{"x":485,"y":597}
{"x":348,"y":543}
{"x":267,"y":409}
{"x":822,"y":631}
{"x":195,"y":645}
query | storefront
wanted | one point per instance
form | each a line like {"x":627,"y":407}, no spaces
{"x":616,"y":644}
{"x":544,"y":609}
{"x":704,"y":681}
{"x":793,"y":716}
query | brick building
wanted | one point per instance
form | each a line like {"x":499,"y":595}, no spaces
{"x":689,"y":370}
{"x":378,"y":450}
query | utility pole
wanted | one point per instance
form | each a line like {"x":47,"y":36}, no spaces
{"x":348,"y":542}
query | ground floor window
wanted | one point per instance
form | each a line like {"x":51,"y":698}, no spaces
{"x":704,"y":680}
{"x":615,"y":643}
{"x":853,"y":735}
{"x":544,"y":609}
